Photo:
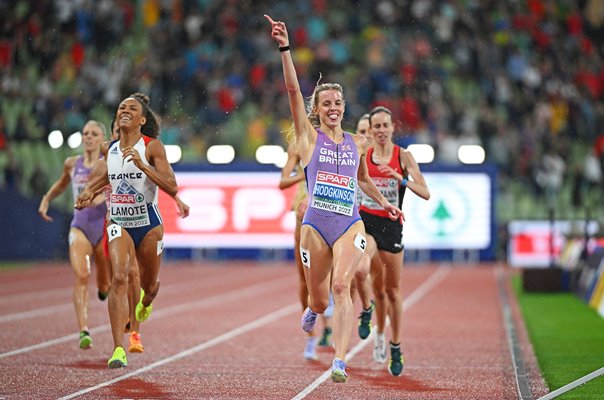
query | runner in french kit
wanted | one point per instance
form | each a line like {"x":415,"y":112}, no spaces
{"x":136,"y":167}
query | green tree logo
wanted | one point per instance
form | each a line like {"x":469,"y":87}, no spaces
{"x":441,"y":215}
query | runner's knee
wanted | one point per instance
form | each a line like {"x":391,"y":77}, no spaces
{"x":340,"y":288}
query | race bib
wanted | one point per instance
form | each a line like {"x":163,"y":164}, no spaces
{"x":113,"y":231}
{"x":360,"y":242}
{"x":129,"y":210}
{"x":388,"y":187}
{"x":334,"y":192}
{"x":305,"y":257}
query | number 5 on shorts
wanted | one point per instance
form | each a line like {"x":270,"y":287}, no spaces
{"x":360,"y":242}
{"x":305,"y":256}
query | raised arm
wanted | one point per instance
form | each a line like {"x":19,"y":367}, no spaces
{"x":302,"y":126}
{"x":57,"y":188}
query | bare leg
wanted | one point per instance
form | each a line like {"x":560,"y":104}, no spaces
{"x":134,"y":291}
{"x":149,"y":262}
{"x":394,"y":266}
{"x":103,"y":269}
{"x":379,"y":292}
{"x":319,"y":273}
{"x":345,"y":260}
{"x":362,"y":280}
{"x":121,"y":251}
{"x":80,"y":251}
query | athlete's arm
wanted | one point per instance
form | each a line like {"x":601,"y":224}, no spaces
{"x":418,"y":185}
{"x":183,"y":208}
{"x":305,"y":133}
{"x":287,"y":179}
{"x":162,"y":175}
{"x":367,"y":185}
{"x":57,"y":188}
{"x":97,"y":180}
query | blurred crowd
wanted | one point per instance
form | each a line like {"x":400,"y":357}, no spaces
{"x":523,"y":78}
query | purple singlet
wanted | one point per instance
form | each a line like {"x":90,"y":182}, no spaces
{"x":90,"y":220}
{"x":331,"y":176}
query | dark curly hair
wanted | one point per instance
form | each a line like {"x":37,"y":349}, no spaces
{"x":152,"y":125}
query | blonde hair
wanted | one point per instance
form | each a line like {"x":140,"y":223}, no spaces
{"x":99,"y":124}
{"x":313,"y":101}
{"x":311,"y":106}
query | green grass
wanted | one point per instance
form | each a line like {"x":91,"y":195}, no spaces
{"x":568,"y":339}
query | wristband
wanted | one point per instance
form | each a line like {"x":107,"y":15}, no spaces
{"x":284,"y":48}
{"x":404,"y":182}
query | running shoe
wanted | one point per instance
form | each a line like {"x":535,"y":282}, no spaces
{"x":365,"y":322}
{"x":310,"y":349}
{"x":118,"y":359}
{"x":379,"y":348}
{"x":338,"y":371}
{"x":85,"y":340}
{"x":103,"y":295}
{"x":142,"y":312}
{"x":134,"y":343}
{"x":326,"y":338}
{"x":308,"y":320}
{"x":396,"y":360}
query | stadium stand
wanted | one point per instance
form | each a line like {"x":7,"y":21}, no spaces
{"x":522,"y":78}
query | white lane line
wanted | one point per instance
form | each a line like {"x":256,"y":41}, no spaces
{"x":520,"y":374}
{"x":267,"y":319}
{"x":412,"y":299}
{"x":40,"y":312}
{"x":233,"y":295}
{"x":573,"y":384}
{"x":25,"y":297}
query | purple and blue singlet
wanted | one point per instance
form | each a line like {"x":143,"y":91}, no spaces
{"x":331,"y":177}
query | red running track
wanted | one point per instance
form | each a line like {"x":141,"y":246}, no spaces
{"x":231,"y":331}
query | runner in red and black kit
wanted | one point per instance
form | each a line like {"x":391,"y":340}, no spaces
{"x":392,"y":169}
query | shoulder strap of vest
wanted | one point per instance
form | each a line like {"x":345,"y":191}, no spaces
{"x":147,"y":139}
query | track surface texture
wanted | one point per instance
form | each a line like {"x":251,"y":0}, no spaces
{"x":231,"y":331}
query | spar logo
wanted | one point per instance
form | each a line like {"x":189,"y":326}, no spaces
{"x":335,"y":180}
{"x":126,"y":198}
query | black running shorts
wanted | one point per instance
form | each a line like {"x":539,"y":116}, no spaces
{"x":388,"y":234}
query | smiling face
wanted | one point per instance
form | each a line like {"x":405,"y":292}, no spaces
{"x":381,"y":127}
{"x":92,"y":136}
{"x":330,"y":107}
{"x":130,"y":114}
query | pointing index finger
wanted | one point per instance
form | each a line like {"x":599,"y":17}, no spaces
{"x":269,"y":19}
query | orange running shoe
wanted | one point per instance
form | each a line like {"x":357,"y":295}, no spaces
{"x":134,"y":343}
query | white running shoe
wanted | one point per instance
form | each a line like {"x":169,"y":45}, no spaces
{"x":380,"y":353}
{"x":310,"y":352}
